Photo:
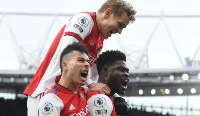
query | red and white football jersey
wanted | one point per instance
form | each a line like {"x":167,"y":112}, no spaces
{"x":60,"y":101}
{"x":100,"y":104}
{"x":81,"y":27}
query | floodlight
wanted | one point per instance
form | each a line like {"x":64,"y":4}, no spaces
{"x":180,"y":91}
{"x":185,"y":77}
{"x":140,"y":92}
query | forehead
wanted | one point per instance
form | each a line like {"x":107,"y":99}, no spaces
{"x":119,"y":63}
{"x":76,"y":54}
{"x":123,"y":18}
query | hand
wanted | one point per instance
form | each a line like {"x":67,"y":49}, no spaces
{"x":121,"y":106}
{"x":99,"y":87}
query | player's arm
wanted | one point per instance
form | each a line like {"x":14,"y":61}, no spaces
{"x":74,"y":31}
{"x":99,"y":105}
{"x":50,"y":105}
{"x":77,"y":29}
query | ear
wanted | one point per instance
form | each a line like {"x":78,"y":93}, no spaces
{"x":105,"y":71}
{"x":108,"y":13}
{"x":64,"y":65}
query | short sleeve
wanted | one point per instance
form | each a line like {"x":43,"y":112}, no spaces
{"x":99,"y":105}
{"x":80,"y":25}
{"x":50,"y":105}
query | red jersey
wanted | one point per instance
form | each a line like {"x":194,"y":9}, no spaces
{"x":60,"y":101}
{"x":100,"y":104}
{"x":81,"y":27}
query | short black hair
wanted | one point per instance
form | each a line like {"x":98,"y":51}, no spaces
{"x":76,"y":46}
{"x":108,"y":58}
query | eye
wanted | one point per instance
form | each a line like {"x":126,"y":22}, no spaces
{"x":123,"y":69}
{"x":81,"y":60}
{"x":120,"y":25}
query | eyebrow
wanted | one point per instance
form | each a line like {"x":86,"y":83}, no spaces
{"x":81,"y":58}
{"x":127,"y":69}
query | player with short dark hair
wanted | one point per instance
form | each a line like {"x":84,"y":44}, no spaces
{"x":113,"y":72}
{"x":67,"y":97}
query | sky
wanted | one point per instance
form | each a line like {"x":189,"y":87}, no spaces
{"x":33,"y":33}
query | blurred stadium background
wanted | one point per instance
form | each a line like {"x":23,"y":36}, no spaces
{"x":162,"y":48}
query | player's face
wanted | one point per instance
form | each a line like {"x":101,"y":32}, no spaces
{"x":114,"y":24}
{"x":78,"y":67}
{"x":118,"y":77}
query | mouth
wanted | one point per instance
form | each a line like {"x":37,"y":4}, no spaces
{"x":125,"y":83}
{"x":111,"y":32}
{"x":84,"y":74}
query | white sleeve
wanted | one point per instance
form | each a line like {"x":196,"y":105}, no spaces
{"x":93,"y":75}
{"x":80,"y":24}
{"x":50,"y":105}
{"x":82,"y":21}
{"x":99,"y":105}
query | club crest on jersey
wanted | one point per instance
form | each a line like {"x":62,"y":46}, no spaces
{"x":92,"y":43}
{"x":83,"y":21}
{"x":100,"y":102}
{"x":47,"y":108}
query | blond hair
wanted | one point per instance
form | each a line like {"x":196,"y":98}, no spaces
{"x":118,"y":7}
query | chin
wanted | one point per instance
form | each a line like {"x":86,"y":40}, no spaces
{"x":81,"y":84}
{"x":121,"y":92}
{"x":105,"y":37}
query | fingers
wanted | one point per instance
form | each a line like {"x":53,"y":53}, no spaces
{"x":105,"y":89}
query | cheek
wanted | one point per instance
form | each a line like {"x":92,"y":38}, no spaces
{"x":76,"y":68}
{"x":115,"y":78}
{"x":113,"y":26}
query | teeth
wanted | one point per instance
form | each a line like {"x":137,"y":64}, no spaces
{"x":124,"y":83}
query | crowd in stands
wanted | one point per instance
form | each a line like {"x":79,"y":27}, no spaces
{"x":136,"y":112}
{"x":10,"y":107}
{"x":17,"y":107}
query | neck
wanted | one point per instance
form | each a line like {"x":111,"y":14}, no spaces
{"x":104,"y":81}
{"x":111,"y":93}
{"x":68,"y":83}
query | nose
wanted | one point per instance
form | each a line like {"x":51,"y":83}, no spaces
{"x":119,"y":30}
{"x":127,"y":74}
{"x":87,"y":64}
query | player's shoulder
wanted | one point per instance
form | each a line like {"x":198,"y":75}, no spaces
{"x":94,"y":96}
{"x":83,"y":19}
{"x":91,"y":93}
{"x":49,"y":104}
{"x":50,"y":97}
{"x":100,"y":104}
